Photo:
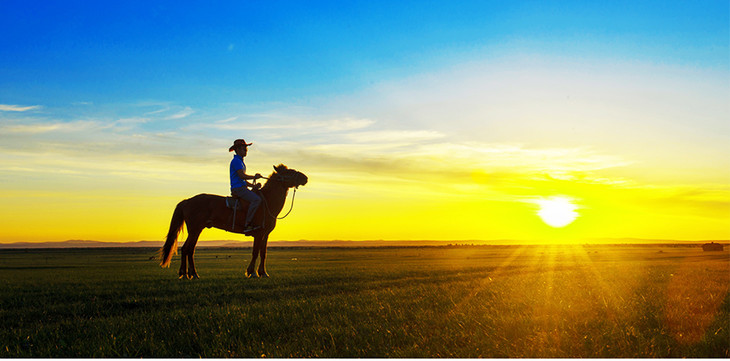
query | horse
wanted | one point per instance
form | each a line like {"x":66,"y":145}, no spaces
{"x":209,"y":210}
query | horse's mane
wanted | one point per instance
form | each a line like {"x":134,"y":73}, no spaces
{"x":276,"y":169}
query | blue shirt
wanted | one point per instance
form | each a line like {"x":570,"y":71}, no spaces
{"x":236,"y":164}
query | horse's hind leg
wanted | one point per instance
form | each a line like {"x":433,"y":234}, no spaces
{"x":251,"y":270}
{"x":188,"y":251}
{"x":183,"y":272}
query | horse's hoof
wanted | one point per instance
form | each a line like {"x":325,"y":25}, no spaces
{"x":264,"y":275}
{"x":194,"y":277}
{"x":251,"y":275}
{"x":182,"y":277}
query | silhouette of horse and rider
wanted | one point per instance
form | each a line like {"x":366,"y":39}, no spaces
{"x":252,"y":210}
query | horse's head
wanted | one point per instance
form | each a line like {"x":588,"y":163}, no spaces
{"x":290,"y":177}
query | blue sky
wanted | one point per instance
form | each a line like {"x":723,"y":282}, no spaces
{"x":260,"y":51}
{"x":376,"y":100}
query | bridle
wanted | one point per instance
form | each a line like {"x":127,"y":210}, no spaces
{"x":286,"y":178}
{"x":283,"y":178}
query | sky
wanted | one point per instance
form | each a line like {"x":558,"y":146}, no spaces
{"x":414,"y":120}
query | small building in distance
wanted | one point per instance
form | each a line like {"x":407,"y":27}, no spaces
{"x":712,"y":246}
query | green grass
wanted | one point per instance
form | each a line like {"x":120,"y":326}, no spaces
{"x":553,"y":301}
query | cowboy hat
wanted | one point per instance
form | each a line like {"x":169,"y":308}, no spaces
{"x":237,"y":143}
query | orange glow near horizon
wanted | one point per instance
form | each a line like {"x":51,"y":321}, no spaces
{"x":384,"y":208}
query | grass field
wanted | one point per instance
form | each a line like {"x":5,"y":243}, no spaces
{"x":536,"y":301}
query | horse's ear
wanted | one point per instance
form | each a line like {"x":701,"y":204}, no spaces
{"x":280,"y":168}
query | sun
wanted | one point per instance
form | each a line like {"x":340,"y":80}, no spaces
{"x":557,"y":211}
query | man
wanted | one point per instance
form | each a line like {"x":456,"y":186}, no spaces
{"x":240,"y":184}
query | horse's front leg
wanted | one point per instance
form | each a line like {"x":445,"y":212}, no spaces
{"x":251,"y":270}
{"x":262,"y":251}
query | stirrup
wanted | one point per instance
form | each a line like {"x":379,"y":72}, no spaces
{"x":251,"y":228}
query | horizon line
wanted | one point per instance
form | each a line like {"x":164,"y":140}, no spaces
{"x":351,"y":243}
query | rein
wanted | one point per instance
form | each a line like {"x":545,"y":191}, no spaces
{"x":290,"y":208}
{"x":266,"y":204}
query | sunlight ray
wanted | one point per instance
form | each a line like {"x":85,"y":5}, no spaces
{"x":489,"y":278}
{"x":610,"y":297}
{"x":548,"y":312}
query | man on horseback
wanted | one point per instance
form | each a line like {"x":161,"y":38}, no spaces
{"x":240,"y":184}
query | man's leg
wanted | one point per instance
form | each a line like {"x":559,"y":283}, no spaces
{"x":253,"y":202}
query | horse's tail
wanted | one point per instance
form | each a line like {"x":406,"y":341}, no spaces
{"x":169,"y":249}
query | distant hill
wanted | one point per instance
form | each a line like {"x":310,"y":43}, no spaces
{"x":320,"y":243}
{"x":99,"y":244}
{"x":79,"y":244}
{"x":225,"y":243}
{"x":648,"y":241}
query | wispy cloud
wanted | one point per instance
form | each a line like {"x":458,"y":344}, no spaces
{"x":17,"y":108}
{"x":427,"y":160}
{"x":29,"y":128}
{"x":132,"y":120}
{"x":393,"y":136}
{"x":311,"y":126}
{"x":36,"y":128}
{"x":153,"y":112}
{"x":181,"y":114}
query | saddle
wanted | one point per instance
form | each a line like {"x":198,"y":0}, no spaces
{"x":235,"y":203}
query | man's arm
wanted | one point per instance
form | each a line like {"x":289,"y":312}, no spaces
{"x":244,"y":176}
